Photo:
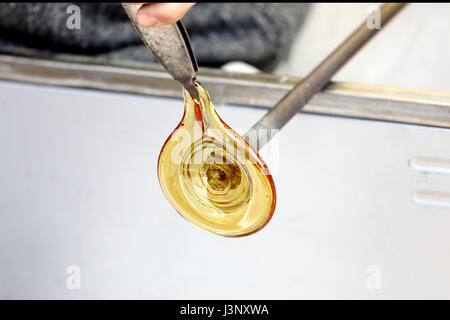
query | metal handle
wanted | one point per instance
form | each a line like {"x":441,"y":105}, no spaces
{"x":170,"y":44}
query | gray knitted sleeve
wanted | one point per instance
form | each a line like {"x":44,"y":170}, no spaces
{"x":257,"y":33}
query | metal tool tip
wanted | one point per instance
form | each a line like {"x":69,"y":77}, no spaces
{"x":190,"y":87}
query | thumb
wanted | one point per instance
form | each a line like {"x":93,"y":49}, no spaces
{"x":159,"y":14}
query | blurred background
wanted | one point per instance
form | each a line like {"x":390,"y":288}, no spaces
{"x":363,"y":205}
{"x":412,"y":52}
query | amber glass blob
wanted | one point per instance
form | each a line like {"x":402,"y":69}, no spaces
{"x":212,"y":176}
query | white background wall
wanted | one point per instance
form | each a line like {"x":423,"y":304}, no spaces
{"x":78,"y":186}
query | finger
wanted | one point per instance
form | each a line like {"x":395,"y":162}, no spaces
{"x":159,"y":14}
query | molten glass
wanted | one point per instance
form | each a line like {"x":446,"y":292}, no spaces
{"x":212,"y":176}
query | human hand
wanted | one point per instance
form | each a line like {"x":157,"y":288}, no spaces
{"x":160,"y":14}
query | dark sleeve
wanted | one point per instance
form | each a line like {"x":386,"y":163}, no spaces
{"x":257,"y":33}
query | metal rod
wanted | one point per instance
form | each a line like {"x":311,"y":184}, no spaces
{"x":353,"y":100}
{"x":297,"y":98}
